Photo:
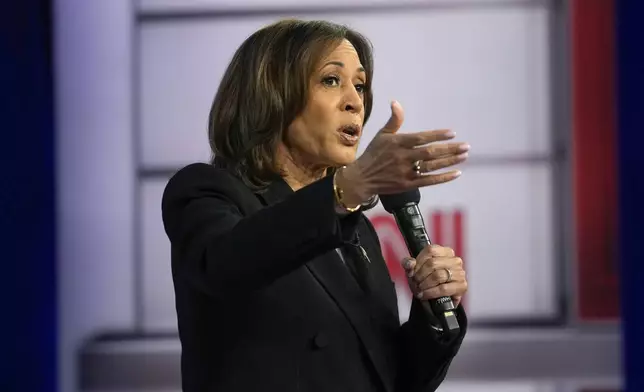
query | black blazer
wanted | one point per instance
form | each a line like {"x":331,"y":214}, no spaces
{"x":265,"y":303}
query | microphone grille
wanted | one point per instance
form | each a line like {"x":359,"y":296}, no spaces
{"x":397,"y":201}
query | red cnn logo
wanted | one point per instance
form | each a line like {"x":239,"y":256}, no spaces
{"x":445,"y":227}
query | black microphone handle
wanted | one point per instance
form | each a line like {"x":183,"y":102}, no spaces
{"x":411,"y":225}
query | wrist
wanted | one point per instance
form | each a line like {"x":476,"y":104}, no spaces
{"x":352,"y":188}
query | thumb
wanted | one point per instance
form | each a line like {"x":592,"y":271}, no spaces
{"x":395,"y":120}
{"x":408,"y":264}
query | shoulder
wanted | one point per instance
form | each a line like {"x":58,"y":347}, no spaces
{"x":201,"y":180}
{"x":201,"y":173}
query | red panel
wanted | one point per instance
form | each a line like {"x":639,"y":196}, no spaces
{"x":459,"y":245}
{"x":389,"y":236}
{"x":458,"y":234}
{"x":437,"y":228}
{"x":594,"y":153}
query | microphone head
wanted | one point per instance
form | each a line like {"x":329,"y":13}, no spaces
{"x":397,"y":201}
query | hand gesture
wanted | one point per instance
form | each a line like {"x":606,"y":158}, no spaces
{"x":395,"y":162}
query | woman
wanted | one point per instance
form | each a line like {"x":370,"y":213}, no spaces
{"x":279,"y":279}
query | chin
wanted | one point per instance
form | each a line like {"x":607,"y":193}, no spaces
{"x":343,"y":158}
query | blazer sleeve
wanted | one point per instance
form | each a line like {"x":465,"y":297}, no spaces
{"x":222,"y":252}
{"x":424,"y":354}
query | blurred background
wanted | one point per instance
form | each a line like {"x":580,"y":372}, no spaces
{"x":105,"y":99}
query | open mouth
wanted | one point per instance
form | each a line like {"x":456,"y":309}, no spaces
{"x":350,"y":134}
{"x":351,"y":130}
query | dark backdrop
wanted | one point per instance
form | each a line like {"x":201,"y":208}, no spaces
{"x":27,"y":215}
{"x":630,"y":113}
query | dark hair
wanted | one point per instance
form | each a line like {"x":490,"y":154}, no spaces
{"x":266,"y":86}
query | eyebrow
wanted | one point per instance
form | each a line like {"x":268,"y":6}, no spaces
{"x":341,"y":65}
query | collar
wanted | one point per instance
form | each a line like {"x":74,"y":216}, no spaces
{"x":277,"y":191}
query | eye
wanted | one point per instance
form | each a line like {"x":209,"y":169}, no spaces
{"x":361,"y":88}
{"x":331,"y":81}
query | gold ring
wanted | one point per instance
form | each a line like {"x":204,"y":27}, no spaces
{"x":449,"y":275}
{"x":417,"y":168}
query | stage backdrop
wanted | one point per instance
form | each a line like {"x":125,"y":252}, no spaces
{"x":482,"y":72}
{"x":136,"y":83}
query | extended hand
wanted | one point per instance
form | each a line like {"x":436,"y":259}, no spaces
{"x":395,"y":162}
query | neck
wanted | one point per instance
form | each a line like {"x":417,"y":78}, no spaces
{"x":297,"y":173}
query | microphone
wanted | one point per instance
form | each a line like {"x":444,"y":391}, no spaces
{"x":404,"y":207}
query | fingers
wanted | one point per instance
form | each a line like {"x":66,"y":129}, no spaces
{"x":431,"y":165}
{"x":409,"y":264}
{"x":437,"y":151}
{"x":436,"y":157}
{"x":387,"y":166}
{"x":426,"y":254}
{"x":441,"y":163}
{"x":439,"y":277}
{"x":410,"y":140}
{"x":429,"y":277}
{"x":434,"y":179}
{"x":395,"y":120}
{"x":435,"y":269}
{"x":453,"y":289}
{"x":435,"y":265}
{"x":440,"y":251}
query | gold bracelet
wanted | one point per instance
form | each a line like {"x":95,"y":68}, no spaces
{"x":339,"y":194}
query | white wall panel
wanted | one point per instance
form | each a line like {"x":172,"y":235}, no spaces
{"x":484,"y":386}
{"x":498,"y":386}
{"x":481,"y":72}
{"x":95,"y":172}
{"x":507,"y":234}
{"x":566,"y":385}
{"x":223,"y":5}
{"x":157,"y":288}
{"x":507,"y":237}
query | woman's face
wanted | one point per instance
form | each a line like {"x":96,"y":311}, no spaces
{"x":327,"y":132}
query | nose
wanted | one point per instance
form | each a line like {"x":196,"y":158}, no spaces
{"x":353,"y":100}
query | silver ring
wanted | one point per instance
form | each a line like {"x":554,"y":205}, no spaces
{"x":417,"y":167}
{"x":449,"y":275}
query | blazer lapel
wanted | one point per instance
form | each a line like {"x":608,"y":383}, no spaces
{"x":334,"y":276}
{"x":336,"y":279}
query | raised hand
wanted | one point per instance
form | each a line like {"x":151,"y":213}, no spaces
{"x":395,"y":162}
